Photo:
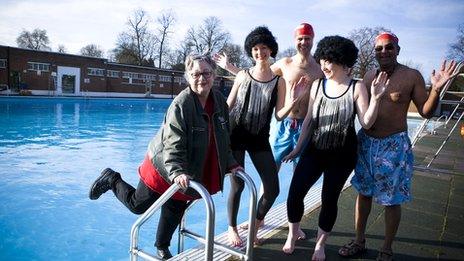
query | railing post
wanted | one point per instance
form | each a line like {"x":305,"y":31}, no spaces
{"x":210,"y":213}
{"x":145,"y":216}
{"x":134,"y":251}
{"x":419,"y":132}
{"x":251,"y":214}
{"x":454,"y":111}
{"x":184,"y":232}
{"x":446,"y":140}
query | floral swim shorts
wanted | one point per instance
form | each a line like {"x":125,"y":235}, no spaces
{"x":384,"y":168}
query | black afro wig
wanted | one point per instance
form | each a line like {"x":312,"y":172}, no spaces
{"x":337,"y":49}
{"x":261,"y":35}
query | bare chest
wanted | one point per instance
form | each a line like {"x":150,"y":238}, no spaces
{"x":399,"y":91}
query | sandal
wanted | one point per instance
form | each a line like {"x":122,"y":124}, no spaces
{"x":384,"y":255}
{"x":352,"y":249}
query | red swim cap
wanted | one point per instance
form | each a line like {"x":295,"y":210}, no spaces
{"x":387,"y":35}
{"x":304,"y":29}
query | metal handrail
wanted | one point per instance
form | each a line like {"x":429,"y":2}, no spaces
{"x":442,"y":94}
{"x":134,"y":249}
{"x":419,"y":132}
{"x":446,"y":140}
{"x":454,"y":111}
{"x":248,"y":255}
{"x":458,"y":103}
{"x":432,"y":131}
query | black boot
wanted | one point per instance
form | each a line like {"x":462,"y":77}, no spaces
{"x":103,"y":183}
{"x":163,"y":253}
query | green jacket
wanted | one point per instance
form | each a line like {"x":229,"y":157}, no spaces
{"x":180,"y":145}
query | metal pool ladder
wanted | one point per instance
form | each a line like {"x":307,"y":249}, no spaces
{"x":208,"y":240}
{"x":460,"y":69}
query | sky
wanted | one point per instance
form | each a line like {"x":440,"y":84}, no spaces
{"x":424,"y":28}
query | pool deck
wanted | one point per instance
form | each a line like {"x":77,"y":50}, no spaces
{"x":432,"y":225}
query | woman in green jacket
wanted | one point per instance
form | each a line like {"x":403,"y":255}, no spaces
{"x":192,"y":144}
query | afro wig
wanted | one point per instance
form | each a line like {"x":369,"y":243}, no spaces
{"x":337,"y":49}
{"x":261,"y":35}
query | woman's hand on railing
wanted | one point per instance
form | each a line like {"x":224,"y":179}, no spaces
{"x":182,"y":180}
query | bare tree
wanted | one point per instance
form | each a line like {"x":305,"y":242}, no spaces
{"x":137,"y":44}
{"x":364,"y":39}
{"x":456,"y":49}
{"x":35,"y":40}
{"x":166,"y":20}
{"x":62,"y":49}
{"x":236,"y":56}
{"x":92,"y":50}
{"x":176,"y":58}
{"x":289,"y":52}
{"x":412,"y":64}
{"x":208,"y":37}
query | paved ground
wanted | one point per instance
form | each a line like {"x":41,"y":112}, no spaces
{"x":432,"y":226}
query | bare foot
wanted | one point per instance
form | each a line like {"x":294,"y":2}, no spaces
{"x":258,"y":224}
{"x":258,"y":241}
{"x":301,"y":235}
{"x":319,"y":254}
{"x":234,"y":237}
{"x":294,"y":233}
{"x":245,"y":226}
{"x":289,"y":245}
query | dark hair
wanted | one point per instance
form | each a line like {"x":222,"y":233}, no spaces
{"x":337,"y":49}
{"x":261,"y":35}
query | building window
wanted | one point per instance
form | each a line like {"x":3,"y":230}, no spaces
{"x":33,"y":66}
{"x":151,"y":77}
{"x":179,"y":79}
{"x":165,"y":78}
{"x":112,"y":74}
{"x":95,"y":72}
{"x":2,"y":63}
{"x":129,"y":75}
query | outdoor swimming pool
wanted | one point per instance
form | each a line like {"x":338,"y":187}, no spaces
{"x":52,"y":150}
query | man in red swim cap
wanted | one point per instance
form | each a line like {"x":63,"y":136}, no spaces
{"x":304,"y":29}
{"x":385,"y":161}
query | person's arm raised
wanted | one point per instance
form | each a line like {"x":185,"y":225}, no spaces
{"x":438,"y":80}
{"x":294,"y":92}
{"x":367,"y":109}
{"x":223,"y":61}
{"x":233,"y":92}
{"x":307,"y":128}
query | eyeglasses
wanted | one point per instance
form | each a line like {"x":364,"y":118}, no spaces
{"x":388,"y":47}
{"x":205,"y":74}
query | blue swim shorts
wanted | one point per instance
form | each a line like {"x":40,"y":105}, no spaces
{"x":384,"y":168}
{"x":284,"y":137}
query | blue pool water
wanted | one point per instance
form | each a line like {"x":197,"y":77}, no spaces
{"x":51,"y":150}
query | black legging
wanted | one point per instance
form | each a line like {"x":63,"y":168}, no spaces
{"x":336,"y":166}
{"x":140,"y":199}
{"x":267,"y":170}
